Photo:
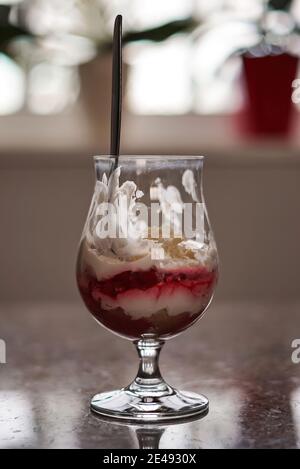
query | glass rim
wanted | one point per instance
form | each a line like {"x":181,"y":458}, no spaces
{"x":148,"y":157}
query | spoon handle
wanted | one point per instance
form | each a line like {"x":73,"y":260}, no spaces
{"x":116,"y":102}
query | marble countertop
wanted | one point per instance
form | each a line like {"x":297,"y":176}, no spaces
{"x":239,"y":356}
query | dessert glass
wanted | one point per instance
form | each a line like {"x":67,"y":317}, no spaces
{"x":147,"y":268}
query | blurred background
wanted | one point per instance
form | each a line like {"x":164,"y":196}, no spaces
{"x":217,"y":78}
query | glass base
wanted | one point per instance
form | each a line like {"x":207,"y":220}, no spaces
{"x":128,"y":404}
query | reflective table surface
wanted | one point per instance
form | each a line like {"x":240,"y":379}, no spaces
{"x":239,"y":355}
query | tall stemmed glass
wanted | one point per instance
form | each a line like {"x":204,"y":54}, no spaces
{"x":147,"y":269}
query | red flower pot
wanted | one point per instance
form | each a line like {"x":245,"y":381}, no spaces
{"x":268,"y":89}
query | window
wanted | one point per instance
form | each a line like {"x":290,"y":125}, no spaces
{"x":190,"y":72}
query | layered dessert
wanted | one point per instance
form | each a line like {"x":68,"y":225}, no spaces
{"x":136,"y":285}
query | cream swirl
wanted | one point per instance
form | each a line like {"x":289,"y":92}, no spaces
{"x":132,"y":243}
{"x":129,"y":240}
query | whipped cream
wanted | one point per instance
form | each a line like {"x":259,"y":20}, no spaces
{"x":189,"y":184}
{"x":133,"y":248}
{"x":109,"y":191}
{"x":107,"y":265}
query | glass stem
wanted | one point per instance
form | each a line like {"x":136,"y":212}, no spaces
{"x":149,"y":379}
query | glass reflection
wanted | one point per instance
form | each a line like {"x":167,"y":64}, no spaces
{"x":220,"y":428}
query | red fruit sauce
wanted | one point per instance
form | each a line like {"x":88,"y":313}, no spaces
{"x":199,"y":281}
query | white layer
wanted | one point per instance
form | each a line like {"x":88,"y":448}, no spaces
{"x":109,"y":266}
{"x":105,"y":266}
{"x":142,"y":304}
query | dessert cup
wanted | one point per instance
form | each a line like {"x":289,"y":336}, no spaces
{"x":147,"y":268}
